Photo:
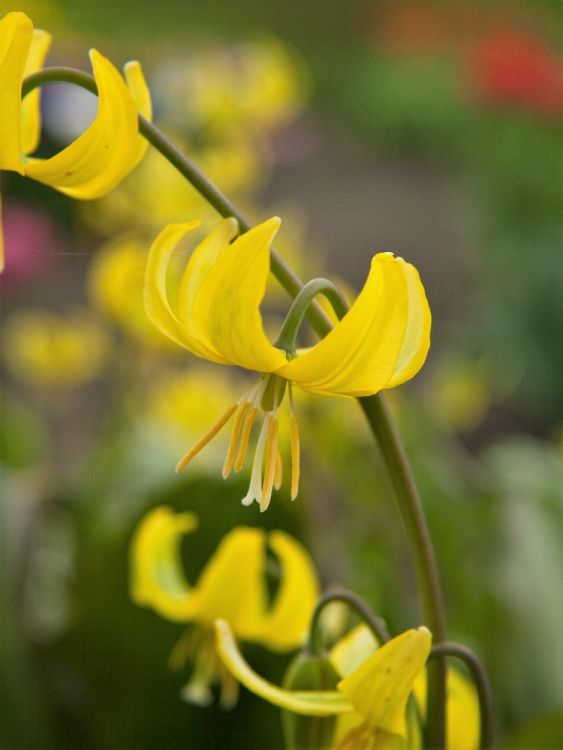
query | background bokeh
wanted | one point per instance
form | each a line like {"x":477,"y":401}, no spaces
{"x":432,"y":129}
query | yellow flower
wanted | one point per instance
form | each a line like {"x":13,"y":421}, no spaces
{"x":49,"y":350}
{"x":371,"y":698}
{"x":158,"y":581}
{"x":381,"y":342}
{"x":115,"y":289}
{"x":96,"y":161}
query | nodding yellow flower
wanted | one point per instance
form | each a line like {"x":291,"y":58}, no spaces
{"x":381,"y":342}
{"x":54,"y":351}
{"x":158,"y":581}
{"x":96,"y":161}
{"x":371,"y":700}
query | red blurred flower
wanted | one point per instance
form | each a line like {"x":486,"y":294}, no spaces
{"x":516,"y":68}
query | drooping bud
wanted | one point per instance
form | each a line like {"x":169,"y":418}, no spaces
{"x":309,"y":672}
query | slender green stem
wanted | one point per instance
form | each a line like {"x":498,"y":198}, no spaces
{"x":287,"y":339}
{"x":365,"y":613}
{"x":479,"y":675}
{"x":374,"y":408}
{"x":410,"y":506}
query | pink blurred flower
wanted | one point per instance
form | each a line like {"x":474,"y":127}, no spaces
{"x":32,"y":241}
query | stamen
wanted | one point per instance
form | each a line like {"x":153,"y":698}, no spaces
{"x":235,"y":434}
{"x":183,"y":462}
{"x":255,"y":488}
{"x":278,"y":474}
{"x":245,"y":437}
{"x":294,"y":439}
{"x":270,"y":462}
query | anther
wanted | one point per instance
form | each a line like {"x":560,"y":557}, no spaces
{"x":278,"y":474}
{"x":235,"y":434}
{"x":269,"y":463}
{"x":247,"y":425}
{"x":294,"y":441}
{"x":183,"y":462}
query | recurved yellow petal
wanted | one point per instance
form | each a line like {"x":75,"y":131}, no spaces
{"x":157,"y":305}
{"x":463,"y":716}
{"x":379,"y":688}
{"x":416,"y":341}
{"x":308,"y":703}
{"x":353,"y":649}
{"x":30,"y":106}
{"x":16,"y":34}
{"x":142,"y":98}
{"x":232,"y":585}
{"x":157,"y":576}
{"x":285,"y":625}
{"x":359,"y":356}
{"x":106,"y":152}
{"x":226,"y":311}
{"x":204,"y":257}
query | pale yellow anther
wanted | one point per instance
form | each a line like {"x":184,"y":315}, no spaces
{"x":269,"y":462}
{"x":278,"y":473}
{"x":183,"y":462}
{"x":294,"y":440}
{"x":235,"y":435}
{"x":245,"y":437}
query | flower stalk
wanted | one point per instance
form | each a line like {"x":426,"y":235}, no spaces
{"x":374,"y":407}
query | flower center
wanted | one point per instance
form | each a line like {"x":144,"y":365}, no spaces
{"x":263,"y":399}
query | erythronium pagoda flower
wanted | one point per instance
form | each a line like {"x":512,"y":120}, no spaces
{"x":105,"y":153}
{"x":371,"y":700}
{"x":380,"y":343}
{"x":158,"y":581}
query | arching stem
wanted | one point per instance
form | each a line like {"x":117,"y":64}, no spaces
{"x":357,"y":605}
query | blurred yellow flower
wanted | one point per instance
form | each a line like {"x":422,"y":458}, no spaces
{"x":232,"y":586}
{"x":96,"y":161}
{"x":374,"y":693}
{"x":381,"y":342}
{"x":55,"y":351}
{"x":115,"y":289}
{"x":255,"y":85}
{"x":461,"y":395}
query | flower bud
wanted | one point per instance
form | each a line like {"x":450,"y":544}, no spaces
{"x":309,"y":672}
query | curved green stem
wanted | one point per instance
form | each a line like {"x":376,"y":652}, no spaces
{"x":365,"y":613}
{"x":374,"y":408}
{"x":479,"y":675}
{"x":412,"y":513}
{"x":287,"y":339}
